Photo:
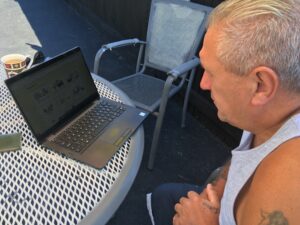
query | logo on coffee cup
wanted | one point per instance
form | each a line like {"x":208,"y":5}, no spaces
{"x":14,"y":64}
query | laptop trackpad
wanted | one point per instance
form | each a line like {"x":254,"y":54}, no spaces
{"x":116,"y":136}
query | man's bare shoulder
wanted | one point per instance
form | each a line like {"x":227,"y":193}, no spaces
{"x":273,"y":192}
{"x":284,"y":160}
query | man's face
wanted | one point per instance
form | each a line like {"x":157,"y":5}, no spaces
{"x":229,"y":92}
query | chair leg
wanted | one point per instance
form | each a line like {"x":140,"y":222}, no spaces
{"x":159,"y":121}
{"x":186,"y":98}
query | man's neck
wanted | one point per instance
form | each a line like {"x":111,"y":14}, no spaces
{"x":262,"y":136}
{"x":269,"y":119}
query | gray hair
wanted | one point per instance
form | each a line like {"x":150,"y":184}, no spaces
{"x":260,"y":33}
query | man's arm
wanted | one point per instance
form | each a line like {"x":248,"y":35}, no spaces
{"x":218,"y":178}
{"x":272,"y":196}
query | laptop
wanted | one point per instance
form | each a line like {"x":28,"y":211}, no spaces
{"x":61,"y":105}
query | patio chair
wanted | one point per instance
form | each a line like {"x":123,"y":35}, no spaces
{"x":175,"y":30}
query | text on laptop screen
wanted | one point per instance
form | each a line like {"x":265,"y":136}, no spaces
{"x":53,"y":90}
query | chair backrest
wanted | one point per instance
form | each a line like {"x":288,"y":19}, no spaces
{"x":175,"y":29}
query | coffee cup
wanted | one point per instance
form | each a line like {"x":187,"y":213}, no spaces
{"x":15,"y":64}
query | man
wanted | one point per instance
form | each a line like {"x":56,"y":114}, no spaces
{"x":251,"y":58}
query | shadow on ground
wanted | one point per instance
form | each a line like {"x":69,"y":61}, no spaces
{"x":184,"y":155}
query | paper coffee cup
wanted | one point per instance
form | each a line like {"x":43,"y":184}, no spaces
{"x":14,"y":64}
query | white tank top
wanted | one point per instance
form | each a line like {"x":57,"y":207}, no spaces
{"x":244,"y":162}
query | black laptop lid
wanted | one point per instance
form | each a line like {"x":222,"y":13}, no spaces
{"x":52,"y":93}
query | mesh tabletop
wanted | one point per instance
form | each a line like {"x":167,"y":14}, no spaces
{"x":39,"y":186}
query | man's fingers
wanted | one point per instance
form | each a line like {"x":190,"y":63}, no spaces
{"x":192,"y":194}
{"x":177,"y":207}
{"x":182,"y":200}
{"x":212,"y":203}
{"x":175,"y":219}
{"x":212,"y":195}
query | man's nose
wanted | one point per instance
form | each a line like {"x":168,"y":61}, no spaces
{"x":205,"y":83}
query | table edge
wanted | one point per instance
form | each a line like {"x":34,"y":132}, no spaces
{"x":113,"y":199}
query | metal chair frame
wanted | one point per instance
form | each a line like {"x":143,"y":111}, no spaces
{"x":179,"y":72}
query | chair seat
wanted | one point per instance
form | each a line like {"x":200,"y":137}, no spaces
{"x":174,"y":33}
{"x":144,"y":90}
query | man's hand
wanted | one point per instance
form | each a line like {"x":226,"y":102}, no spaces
{"x":198,"y":209}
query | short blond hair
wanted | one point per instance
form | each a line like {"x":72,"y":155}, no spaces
{"x":260,"y":33}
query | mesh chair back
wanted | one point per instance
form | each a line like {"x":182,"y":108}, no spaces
{"x":174,"y":32}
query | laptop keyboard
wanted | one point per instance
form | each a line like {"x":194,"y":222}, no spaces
{"x":79,"y":135}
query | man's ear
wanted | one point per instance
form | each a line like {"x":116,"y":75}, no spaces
{"x":266,"y":85}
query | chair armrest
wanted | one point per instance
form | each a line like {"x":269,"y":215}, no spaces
{"x":123,"y":43}
{"x":185,"y":67}
{"x":111,"y":46}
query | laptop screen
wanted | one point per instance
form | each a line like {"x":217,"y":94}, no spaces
{"x":51,"y":93}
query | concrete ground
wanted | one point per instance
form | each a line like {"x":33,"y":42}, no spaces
{"x":184,"y":155}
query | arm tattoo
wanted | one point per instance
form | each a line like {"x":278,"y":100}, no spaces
{"x":220,"y":173}
{"x":214,"y":210}
{"x":273,"y":218}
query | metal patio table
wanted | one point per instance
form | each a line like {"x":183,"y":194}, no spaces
{"x":38,"y":186}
